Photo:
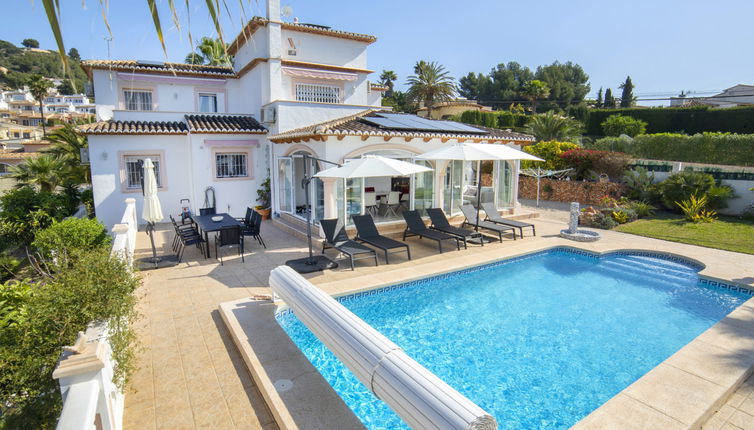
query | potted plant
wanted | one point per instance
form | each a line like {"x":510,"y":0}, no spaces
{"x":263,"y":197}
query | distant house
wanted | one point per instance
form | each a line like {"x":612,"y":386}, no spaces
{"x":738,"y":95}
{"x":452,"y":108}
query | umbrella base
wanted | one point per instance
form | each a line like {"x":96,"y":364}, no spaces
{"x":311,"y":264}
{"x":148,"y":263}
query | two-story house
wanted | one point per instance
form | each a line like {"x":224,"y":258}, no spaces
{"x":294,"y":89}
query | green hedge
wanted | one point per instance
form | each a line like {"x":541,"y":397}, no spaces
{"x":712,"y":148}
{"x":688,"y":120}
{"x":496,"y":119}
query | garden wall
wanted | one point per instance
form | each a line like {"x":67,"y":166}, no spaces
{"x":587,"y":193}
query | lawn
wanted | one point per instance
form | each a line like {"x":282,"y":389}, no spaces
{"x":729,"y":233}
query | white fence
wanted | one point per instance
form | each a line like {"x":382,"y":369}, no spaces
{"x":419,"y":397}
{"x":85,"y":371}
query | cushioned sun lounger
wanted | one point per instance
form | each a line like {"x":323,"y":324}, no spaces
{"x":471,"y":216}
{"x":416,"y":227}
{"x":440,"y":222}
{"x":337,"y":238}
{"x":367,"y":232}
{"x":492,"y":215}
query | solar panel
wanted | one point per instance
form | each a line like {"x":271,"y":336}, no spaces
{"x":412,"y":122}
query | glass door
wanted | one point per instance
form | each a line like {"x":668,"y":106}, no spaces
{"x":354,"y":198}
{"x":422,"y":188}
{"x":285,"y":184}
{"x":453,"y":192}
{"x":504,"y":184}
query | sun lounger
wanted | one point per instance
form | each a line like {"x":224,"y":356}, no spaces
{"x":492,"y":215}
{"x":367,"y":232}
{"x":338,"y":239}
{"x":471,"y":216}
{"x":440,"y":222}
{"x":416,"y":227}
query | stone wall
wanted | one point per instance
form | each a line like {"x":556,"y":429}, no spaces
{"x":586,"y":193}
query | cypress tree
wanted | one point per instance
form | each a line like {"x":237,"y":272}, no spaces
{"x":609,"y":99}
{"x":598,"y":103}
{"x":627,"y":97}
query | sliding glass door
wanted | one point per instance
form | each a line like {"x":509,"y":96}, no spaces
{"x":285,"y":184}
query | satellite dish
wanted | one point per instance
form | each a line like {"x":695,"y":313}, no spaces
{"x":286,"y":11}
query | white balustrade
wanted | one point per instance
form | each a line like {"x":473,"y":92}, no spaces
{"x":418,"y":396}
{"x":124,"y":234}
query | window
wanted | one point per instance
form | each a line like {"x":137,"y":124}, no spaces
{"x":3,"y":169}
{"x":231,"y":165}
{"x":138,"y":99}
{"x":27,"y":135}
{"x":207,"y":102}
{"x":320,"y":93}
{"x":135,"y":171}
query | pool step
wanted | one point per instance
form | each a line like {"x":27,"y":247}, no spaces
{"x":633,"y":273}
{"x":653,"y":267}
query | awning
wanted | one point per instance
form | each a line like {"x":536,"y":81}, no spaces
{"x":318,"y":74}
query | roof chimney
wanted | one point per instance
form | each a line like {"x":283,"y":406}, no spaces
{"x":273,"y":10}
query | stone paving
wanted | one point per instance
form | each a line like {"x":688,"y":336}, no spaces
{"x":192,"y":375}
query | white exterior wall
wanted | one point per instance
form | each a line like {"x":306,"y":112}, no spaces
{"x":316,"y":48}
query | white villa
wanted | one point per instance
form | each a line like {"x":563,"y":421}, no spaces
{"x":294,"y":89}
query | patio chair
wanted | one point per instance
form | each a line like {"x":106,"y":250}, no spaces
{"x":229,"y":236}
{"x":337,"y":238}
{"x":370,"y":202}
{"x":471,"y":215}
{"x":253,"y":227}
{"x":404,"y":201}
{"x":415,"y":227}
{"x":393,"y":202}
{"x":184,"y":237}
{"x":492,"y":215}
{"x":207,"y":211}
{"x":367,"y":232}
{"x":440,"y":222}
{"x":182,"y":230}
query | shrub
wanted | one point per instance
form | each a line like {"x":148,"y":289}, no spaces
{"x":550,"y":152}
{"x":25,"y":210}
{"x":715,"y":148}
{"x":694,"y":209}
{"x":39,"y":318}
{"x":70,"y":235}
{"x":616,"y":125}
{"x":585,"y":162}
{"x":624,"y":215}
{"x":605,"y":222}
{"x":640,"y":184}
{"x":642,"y":209}
{"x":8,"y":266}
{"x":551,"y":126}
{"x":681,"y":186}
{"x":690,"y":120}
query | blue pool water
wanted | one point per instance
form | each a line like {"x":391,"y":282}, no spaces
{"x":539,"y":341}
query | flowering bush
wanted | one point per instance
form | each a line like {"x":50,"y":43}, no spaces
{"x":589,"y":162}
{"x":551,"y":152}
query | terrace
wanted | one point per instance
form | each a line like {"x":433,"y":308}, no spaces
{"x":193,"y":376}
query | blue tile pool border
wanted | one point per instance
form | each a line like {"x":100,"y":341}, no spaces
{"x":565,"y":249}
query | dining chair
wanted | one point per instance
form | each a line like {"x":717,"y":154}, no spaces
{"x":229,"y":236}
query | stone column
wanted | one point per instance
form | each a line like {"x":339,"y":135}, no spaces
{"x":573,"y":224}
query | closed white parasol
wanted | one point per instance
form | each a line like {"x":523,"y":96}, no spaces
{"x":152,"y":211}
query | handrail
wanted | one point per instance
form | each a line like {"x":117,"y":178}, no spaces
{"x":419,"y":397}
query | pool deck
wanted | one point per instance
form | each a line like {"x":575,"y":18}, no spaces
{"x":197,"y":373}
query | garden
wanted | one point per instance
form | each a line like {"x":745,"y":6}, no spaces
{"x":57,"y":277}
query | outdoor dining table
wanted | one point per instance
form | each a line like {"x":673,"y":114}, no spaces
{"x":206,"y":224}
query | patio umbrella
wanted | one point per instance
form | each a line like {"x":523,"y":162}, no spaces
{"x":152,"y":211}
{"x":477,"y":152}
{"x":372,"y":166}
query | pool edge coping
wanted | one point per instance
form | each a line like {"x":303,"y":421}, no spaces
{"x":610,"y":412}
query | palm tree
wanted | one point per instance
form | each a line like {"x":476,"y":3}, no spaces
{"x":387,"y":78}
{"x":431,"y":85}
{"x":66,"y":144}
{"x":211,"y":52}
{"x":535,"y":90}
{"x":45,"y":172}
{"x":38,"y":87}
{"x":550,"y":126}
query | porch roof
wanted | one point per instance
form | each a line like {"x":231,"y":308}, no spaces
{"x":180,"y":69}
{"x":353,"y":125}
{"x":207,"y":123}
{"x":134,"y":127}
{"x":224,"y":124}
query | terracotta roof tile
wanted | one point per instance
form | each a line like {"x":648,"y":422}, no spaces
{"x":224,"y":124}
{"x":134,"y":127}
{"x":353,"y":125}
{"x":9,"y":154}
{"x":161,"y":68}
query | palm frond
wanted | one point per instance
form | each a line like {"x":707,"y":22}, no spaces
{"x":157,"y":26}
{"x":52,"y":9}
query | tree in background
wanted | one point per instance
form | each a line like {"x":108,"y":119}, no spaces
{"x":535,"y":90}
{"x":627,"y":98}
{"x":30,"y":43}
{"x":212,"y":53}
{"x":598,"y":103}
{"x":568,"y":83}
{"x":66,"y":88}
{"x":399,"y":102}
{"x":388,"y":78}
{"x":550,"y":126}
{"x":609,"y":99}
{"x":431,"y":85}
{"x":39,"y":87}
{"x":74,"y":55}
{"x":45,"y":172}
{"x":66,"y":144}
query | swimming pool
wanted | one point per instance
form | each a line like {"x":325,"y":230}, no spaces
{"x":537,"y":341}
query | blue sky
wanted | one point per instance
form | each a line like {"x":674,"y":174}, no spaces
{"x":665,"y":45}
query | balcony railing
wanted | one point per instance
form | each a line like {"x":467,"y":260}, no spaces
{"x":319,"y":93}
